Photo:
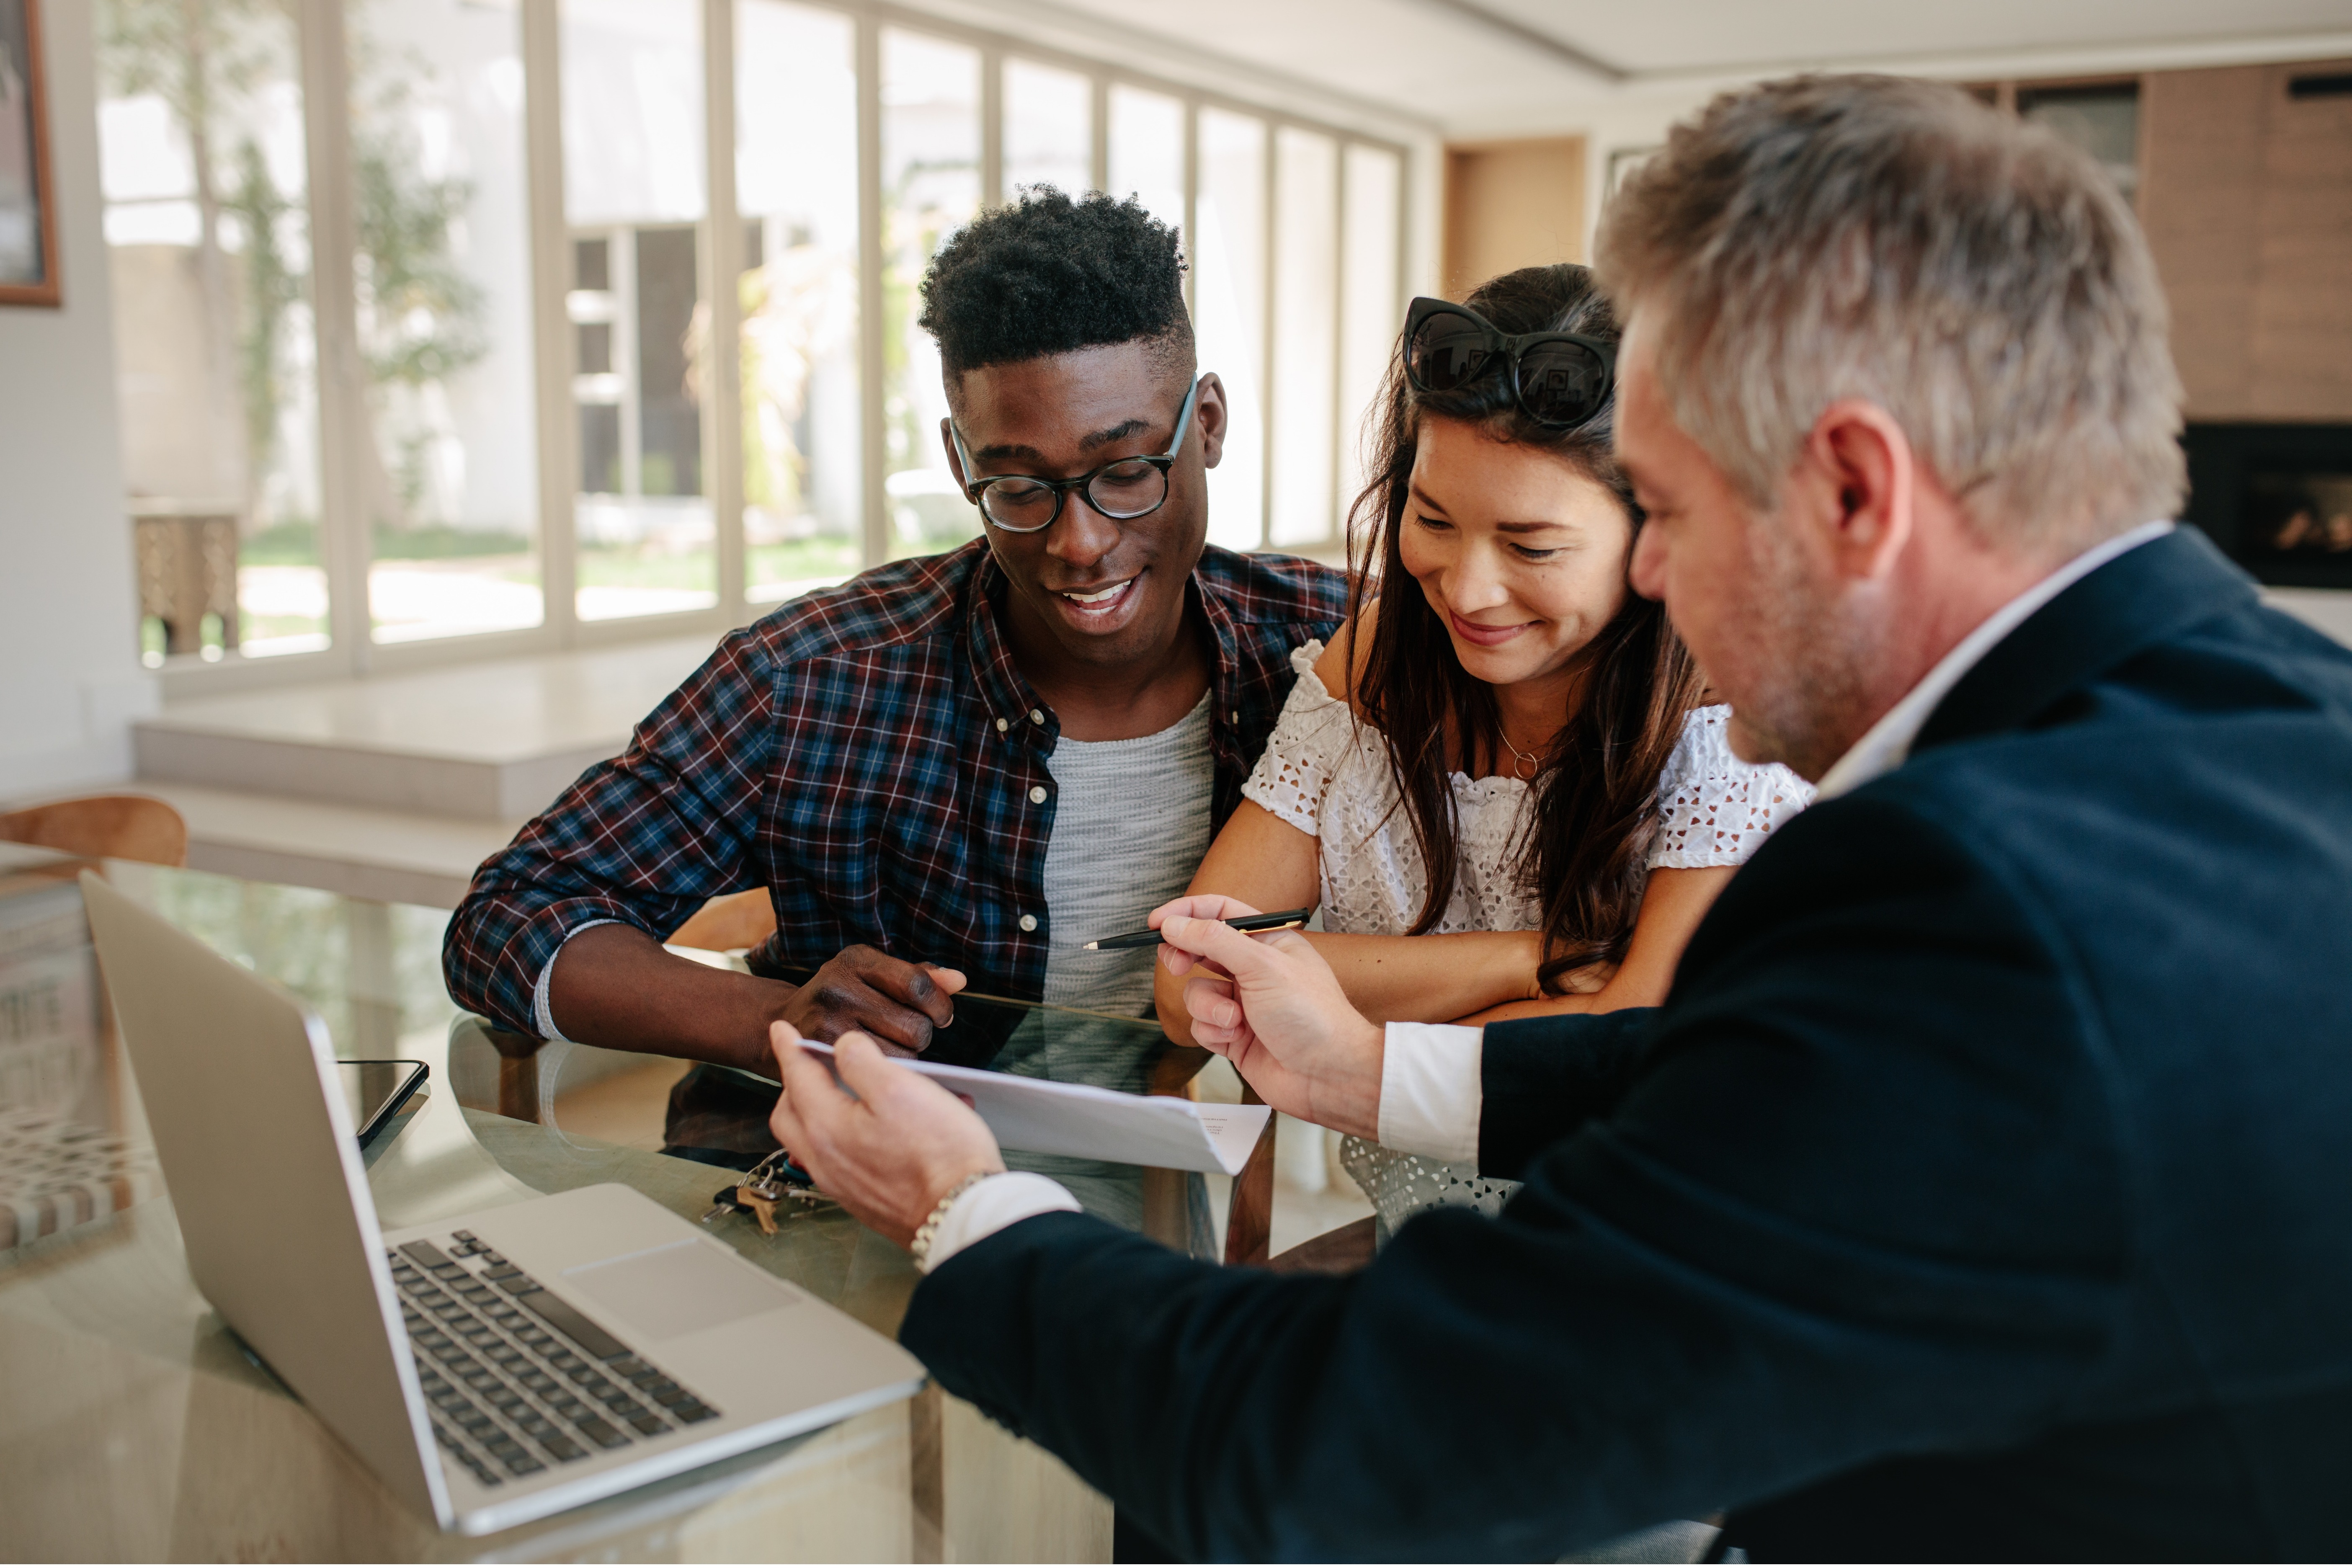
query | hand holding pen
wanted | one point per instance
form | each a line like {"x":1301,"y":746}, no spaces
{"x":1268,"y":1003}
{"x":1281,"y":920}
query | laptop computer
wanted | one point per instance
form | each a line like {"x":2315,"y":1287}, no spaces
{"x":492,"y":1368}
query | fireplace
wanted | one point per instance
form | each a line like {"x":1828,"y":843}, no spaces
{"x":2276,"y":498}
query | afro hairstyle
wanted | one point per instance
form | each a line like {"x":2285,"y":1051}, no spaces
{"x":1048,"y":274}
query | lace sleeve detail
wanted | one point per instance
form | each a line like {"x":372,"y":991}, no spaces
{"x":1303,"y":754}
{"x":1713,"y":808}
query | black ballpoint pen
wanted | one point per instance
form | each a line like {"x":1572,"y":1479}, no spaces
{"x":1281,"y":920}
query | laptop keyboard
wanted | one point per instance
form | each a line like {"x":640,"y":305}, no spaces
{"x":518,"y":1378}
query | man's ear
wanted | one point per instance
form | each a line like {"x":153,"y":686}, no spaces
{"x":1862,"y":479}
{"x":1213,"y":418}
{"x":955,"y":463}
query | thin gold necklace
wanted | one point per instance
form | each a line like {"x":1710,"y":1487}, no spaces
{"x":1531,"y":762}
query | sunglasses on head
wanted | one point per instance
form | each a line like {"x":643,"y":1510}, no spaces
{"x":1556,"y":378}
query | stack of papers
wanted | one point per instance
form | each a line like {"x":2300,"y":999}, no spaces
{"x":1039,"y":1117}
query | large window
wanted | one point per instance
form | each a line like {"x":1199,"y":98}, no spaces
{"x":494,"y":355}
{"x":1229,"y":288}
{"x":205,"y":175}
{"x":1305,"y":405}
{"x":930,"y":186}
{"x":442,"y":302}
{"x":635,"y":198}
{"x":796,"y":186}
{"x":1049,"y":128}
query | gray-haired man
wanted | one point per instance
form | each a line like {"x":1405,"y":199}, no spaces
{"x":1982,"y":1190}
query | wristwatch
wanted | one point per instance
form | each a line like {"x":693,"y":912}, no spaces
{"x":921,"y":1246}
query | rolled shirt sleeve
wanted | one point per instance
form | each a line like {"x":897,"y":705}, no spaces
{"x":646,"y":838}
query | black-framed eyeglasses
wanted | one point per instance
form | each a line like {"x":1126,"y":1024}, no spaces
{"x":1124,"y":490}
{"x":1556,"y":378}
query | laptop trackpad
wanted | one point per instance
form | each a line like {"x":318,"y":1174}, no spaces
{"x":678,"y":1290}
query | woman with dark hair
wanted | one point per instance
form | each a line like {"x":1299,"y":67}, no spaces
{"x":1504,"y":790}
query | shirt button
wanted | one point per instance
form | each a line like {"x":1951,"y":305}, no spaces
{"x":1037,"y":794}
{"x":1028,"y":922}
{"x":1002,"y":725}
{"x":1036,"y":716}
{"x":1236,"y":716}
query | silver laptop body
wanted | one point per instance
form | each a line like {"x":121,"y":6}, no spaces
{"x":490,"y":1369}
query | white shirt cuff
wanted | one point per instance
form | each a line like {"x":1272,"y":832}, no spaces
{"x":540,"y":1015}
{"x":987,"y":1207}
{"x":1430,"y":1090}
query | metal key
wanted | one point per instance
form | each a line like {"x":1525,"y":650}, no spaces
{"x":762,"y":1207}
{"x":763,"y":1189}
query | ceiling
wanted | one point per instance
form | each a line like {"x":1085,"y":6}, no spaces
{"x":1462,"y":64}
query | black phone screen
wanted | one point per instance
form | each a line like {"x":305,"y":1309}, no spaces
{"x":374,"y":1091}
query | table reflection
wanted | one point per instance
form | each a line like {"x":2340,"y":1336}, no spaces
{"x":139,"y":1429}
{"x":372,"y":971}
{"x":720,"y":1116}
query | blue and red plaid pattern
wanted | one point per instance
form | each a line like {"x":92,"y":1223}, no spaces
{"x":866,"y":753}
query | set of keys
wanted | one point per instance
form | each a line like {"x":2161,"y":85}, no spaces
{"x":765,"y":1188}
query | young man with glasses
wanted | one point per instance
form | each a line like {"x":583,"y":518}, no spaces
{"x":950,"y":770}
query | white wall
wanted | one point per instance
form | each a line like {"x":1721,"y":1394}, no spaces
{"x":70,"y":679}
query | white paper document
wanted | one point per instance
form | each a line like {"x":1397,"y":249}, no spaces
{"x":1038,"y":1117}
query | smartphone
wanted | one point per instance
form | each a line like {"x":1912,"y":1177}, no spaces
{"x":376,"y":1090}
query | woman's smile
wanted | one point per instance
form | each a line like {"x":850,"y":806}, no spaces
{"x":1484,"y":635}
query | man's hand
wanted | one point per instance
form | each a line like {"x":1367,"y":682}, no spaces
{"x":898,"y":1003}
{"x":891,"y":1147}
{"x":1272,"y":1007}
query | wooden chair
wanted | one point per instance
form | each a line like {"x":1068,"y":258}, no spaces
{"x":104,"y":826}
{"x":1341,"y":1251}
{"x":730,"y":921}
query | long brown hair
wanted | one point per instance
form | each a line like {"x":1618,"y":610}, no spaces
{"x":1585,"y":852}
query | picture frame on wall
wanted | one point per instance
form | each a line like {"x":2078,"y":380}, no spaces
{"x":28,"y":225}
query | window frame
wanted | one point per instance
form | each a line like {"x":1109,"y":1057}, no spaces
{"x":343,"y":413}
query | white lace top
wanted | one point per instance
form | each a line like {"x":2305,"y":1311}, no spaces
{"x":1325,"y":774}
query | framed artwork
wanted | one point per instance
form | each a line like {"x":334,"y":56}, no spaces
{"x":28,"y":228}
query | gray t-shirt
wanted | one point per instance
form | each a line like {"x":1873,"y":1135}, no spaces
{"x":1129,"y":830}
{"x":1130,"y":826}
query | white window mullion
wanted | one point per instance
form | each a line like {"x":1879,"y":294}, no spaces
{"x":551,"y":332}
{"x":1339,"y":338}
{"x":992,"y":127}
{"x":1099,"y":154}
{"x":1193,"y":210}
{"x":1268,"y":424}
{"x":344,"y":426}
{"x":722,"y":270}
{"x":877,"y":514}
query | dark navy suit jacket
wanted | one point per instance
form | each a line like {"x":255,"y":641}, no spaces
{"x":1983,"y":1190}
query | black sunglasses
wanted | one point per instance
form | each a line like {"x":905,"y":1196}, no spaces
{"x":1556,"y":378}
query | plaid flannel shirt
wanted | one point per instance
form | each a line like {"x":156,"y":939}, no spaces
{"x":867,"y":753}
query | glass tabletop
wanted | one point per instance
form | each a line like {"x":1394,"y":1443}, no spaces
{"x":100,"y":1319}
{"x":676,"y":1130}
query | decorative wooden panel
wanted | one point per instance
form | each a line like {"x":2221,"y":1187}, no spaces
{"x":1510,"y":205}
{"x":2246,"y":195}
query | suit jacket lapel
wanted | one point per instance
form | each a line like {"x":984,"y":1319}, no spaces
{"x":2140,"y":597}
